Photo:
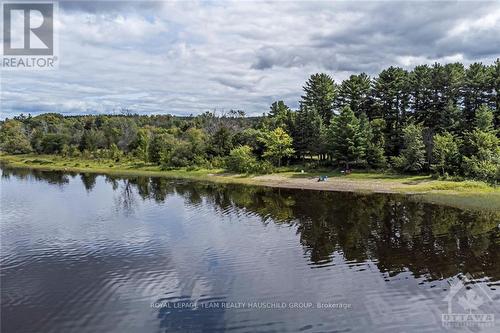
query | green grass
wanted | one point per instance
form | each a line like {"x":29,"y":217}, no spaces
{"x":462,"y":194}
{"x":125,"y":167}
{"x":489,"y":200}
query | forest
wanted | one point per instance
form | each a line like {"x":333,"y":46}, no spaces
{"x":440,"y":119}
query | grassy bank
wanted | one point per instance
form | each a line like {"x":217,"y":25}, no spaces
{"x":463,"y":194}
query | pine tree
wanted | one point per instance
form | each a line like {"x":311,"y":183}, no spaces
{"x":355,"y":93}
{"x":280,"y":116}
{"x":347,"y":141}
{"x":421,"y":91}
{"x":392,"y":102}
{"x":453,"y":81}
{"x":476,"y":90}
{"x":495,"y":84}
{"x":451,"y":119}
{"x":484,"y":119}
{"x":320,"y":93}
{"x":307,"y":132}
{"x":375,"y":143}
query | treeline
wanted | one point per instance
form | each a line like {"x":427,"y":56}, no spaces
{"x":440,"y":118}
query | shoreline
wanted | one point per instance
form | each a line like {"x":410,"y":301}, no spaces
{"x":459,"y":194}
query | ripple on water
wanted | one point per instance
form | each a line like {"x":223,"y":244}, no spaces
{"x":102,"y":260}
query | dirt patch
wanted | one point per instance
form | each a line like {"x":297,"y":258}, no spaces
{"x":332,"y":184}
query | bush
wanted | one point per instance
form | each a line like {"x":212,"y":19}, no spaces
{"x":180,"y":156}
{"x":241,"y":159}
{"x":53,"y":143}
{"x":264,"y":167}
{"x":218,"y":162}
{"x":484,"y":162}
{"x":13,"y":139}
{"x":482,"y":169}
{"x":398,"y":162}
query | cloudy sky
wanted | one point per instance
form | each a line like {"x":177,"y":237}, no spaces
{"x":192,"y":56}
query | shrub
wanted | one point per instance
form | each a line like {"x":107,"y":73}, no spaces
{"x":264,"y":167}
{"x":241,"y":159}
{"x":218,"y":162}
{"x":482,"y":169}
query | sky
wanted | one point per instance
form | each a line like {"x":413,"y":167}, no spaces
{"x":189,"y":57}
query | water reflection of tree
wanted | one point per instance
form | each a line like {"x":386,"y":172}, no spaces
{"x":397,"y":233}
{"x":126,"y":197}
{"x":50,"y":177}
{"x":88,"y":180}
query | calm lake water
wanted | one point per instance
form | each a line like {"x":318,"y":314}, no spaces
{"x":89,"y":253}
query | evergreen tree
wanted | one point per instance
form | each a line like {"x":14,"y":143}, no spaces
{"x":391,"y":102}
{"x":375,"y":143}
{"x":347,"y":141}
{"x":307,"y":132}
{"x":280,"y":116}
{"x":476,"y":90}
{"x":421,"y":92}
{"x":484,"y":119}
{"x":161,"y":145}
{"x":320,"y":93}
{"x":438,"y":101}
{"x":355,"y":93}
{"x":221,"y":142}
{"x":451,"y":119}
{"x":92,"y":139}
{"x":452,"y":83}
{"x":454,"y":104}
{"x":495,"y":84}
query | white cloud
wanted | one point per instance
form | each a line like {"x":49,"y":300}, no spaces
{"x":192,"y":56}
